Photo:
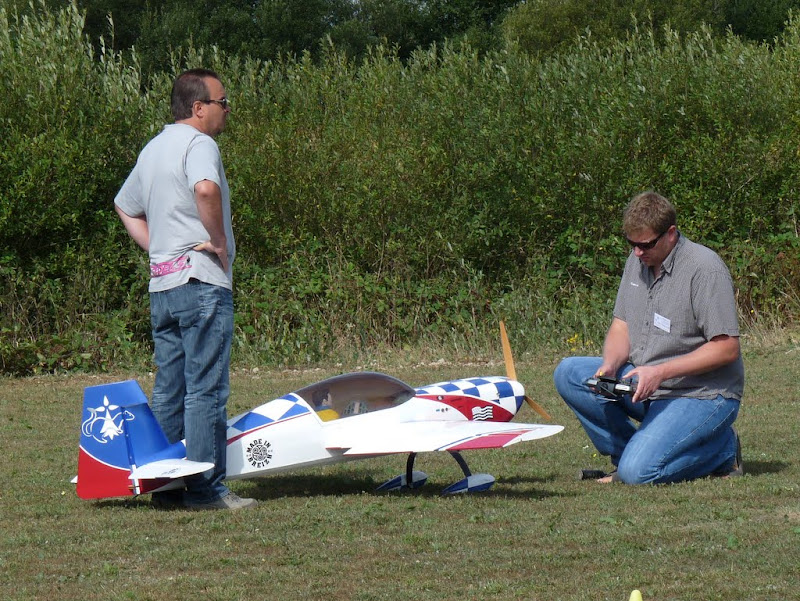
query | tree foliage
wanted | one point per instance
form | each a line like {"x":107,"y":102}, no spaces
{"x":272,"y":29}
{"x":385,"y":200}
{"x":546,"y":26}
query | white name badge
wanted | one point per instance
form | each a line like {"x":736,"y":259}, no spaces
{"x":661,"y":322}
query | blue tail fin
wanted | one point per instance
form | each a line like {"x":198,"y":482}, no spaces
{"x":119,"y":434}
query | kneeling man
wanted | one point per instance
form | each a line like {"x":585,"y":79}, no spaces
{"x":675,"y":332}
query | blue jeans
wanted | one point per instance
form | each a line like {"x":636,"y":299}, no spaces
{"x":676,"y":439}
{"x":192,"y":332}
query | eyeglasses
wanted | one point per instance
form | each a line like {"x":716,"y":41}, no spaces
{"x":223,"y":102}
{"x":645,"y":245}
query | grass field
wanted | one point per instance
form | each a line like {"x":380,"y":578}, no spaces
{"x":323,"y":534}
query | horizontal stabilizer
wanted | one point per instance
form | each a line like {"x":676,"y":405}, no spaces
{"x":170,"y":468}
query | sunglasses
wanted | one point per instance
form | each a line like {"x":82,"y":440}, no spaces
{"x":645,"y":245}
{"x":223,"y":102}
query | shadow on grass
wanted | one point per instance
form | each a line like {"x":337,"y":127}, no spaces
{"x":320,"y":485}
{"x":277,"y":487}
{"x":307,"y":486}
{"x":758,"y":468}
{"x":317,"y":485}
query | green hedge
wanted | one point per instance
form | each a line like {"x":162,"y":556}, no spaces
{"x":395,"y":203}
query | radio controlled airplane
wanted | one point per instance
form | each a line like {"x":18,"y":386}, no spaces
{"x":124,"y":452}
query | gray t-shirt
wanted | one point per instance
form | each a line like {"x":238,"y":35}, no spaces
{"x":691,"y":302}
{"x":161,"y":187}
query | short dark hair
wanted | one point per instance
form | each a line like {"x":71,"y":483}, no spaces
{"x":648,"y":210}
{"x":189,"y":87}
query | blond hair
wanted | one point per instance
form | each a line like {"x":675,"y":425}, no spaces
{"x":648,"y":210}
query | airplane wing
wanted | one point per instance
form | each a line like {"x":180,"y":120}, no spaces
{"x":421,"y":437}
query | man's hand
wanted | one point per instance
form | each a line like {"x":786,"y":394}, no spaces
{"x":715,"y":353}
{"x":221,"y":252}
{"x":605,"y":371}
{"x":649,"y":379}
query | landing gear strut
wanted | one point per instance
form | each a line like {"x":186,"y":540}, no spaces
{"x":414,"y":479}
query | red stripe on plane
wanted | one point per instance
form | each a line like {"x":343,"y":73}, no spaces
{"x":491,"y":441}
{"x":465,"y":404}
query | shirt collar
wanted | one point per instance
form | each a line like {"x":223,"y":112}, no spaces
{"x":669,"y":261}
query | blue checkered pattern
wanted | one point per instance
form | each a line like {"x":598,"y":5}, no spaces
{"x":274,"y":411}
{"x":492,"y":388}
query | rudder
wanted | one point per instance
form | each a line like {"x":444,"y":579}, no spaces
{"x":106,"y":455}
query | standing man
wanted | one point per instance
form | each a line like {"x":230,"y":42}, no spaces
{"x":675,"y":331}
{"x":176,"y":205}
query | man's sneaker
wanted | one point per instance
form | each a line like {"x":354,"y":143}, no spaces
{"x":229,"y":501}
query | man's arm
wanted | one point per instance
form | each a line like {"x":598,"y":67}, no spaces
{"x":715,"y":353}
{"x":209,"y":206}
{"x":616,"y":348}
{"x":137,"y":228}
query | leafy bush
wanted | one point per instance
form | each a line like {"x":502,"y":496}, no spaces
{"x":384,"y":203}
